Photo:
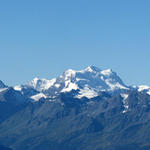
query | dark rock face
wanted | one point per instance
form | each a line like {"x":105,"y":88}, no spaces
{"x":76,"y":124}
{"x":4,"y":148}
{"x":2,"y":85}
{"x":11,"y":101}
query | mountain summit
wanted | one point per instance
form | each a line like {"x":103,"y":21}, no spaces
{"x":88,"y":82}
{"x":2,"y":85}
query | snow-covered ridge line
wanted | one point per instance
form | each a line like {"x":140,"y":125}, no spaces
{"x":88,"y":82}
{"x":143,"y":88}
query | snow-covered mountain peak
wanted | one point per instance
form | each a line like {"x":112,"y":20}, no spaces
{"x":17,"y":88}
{"x":41,"y":84}
{"x":92,"y":69}
{"x":143,"y":88}
{"x":3,"y":87}
{"x":89,"y":82}
{"x":34,"y":82}
{"x":69,"y":73}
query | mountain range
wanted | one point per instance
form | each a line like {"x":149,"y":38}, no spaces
{"x":90,"y":109}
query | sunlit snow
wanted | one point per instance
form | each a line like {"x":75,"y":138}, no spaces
{"x":3,"y":89}
{"x":89,"y":82}
{"x":38,"y":96}
{"x":126,"y":106}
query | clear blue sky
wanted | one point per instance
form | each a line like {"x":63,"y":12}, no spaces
{"x":42,"y":38}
